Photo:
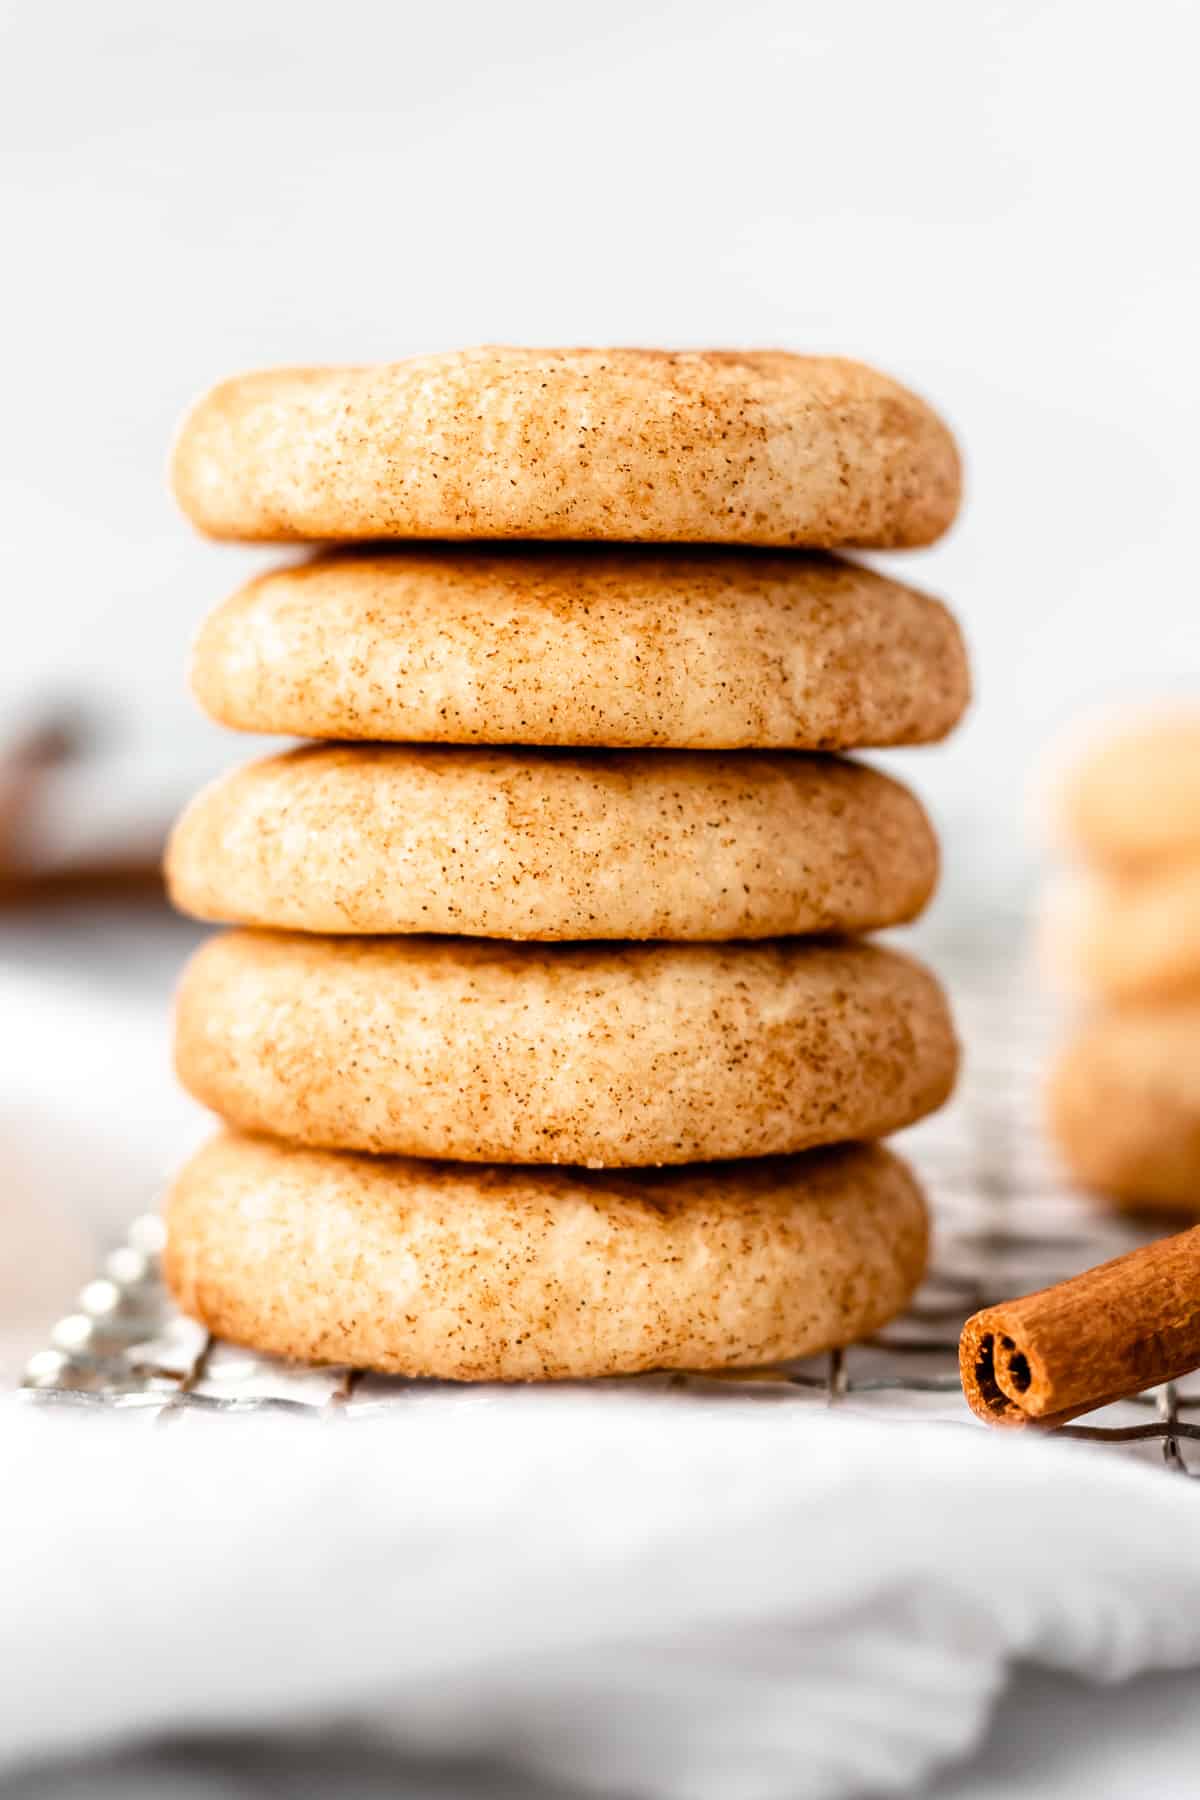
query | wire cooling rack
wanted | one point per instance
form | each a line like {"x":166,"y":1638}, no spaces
{"x":1005,"y":1224}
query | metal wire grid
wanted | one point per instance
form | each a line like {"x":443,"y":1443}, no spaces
{"x":1004,"y":1225}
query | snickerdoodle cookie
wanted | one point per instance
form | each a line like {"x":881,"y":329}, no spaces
{"x":607,"y":646}
{"x":474,"y":1273}
{"x":693,"y":446}
{"x":1134,"y":800}
{"x":613,"y":1055}
{"x":1129,"y":937}
{"x":1124,"y":1106}
{"x":553,"y":844}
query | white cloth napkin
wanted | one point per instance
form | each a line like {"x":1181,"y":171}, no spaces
{"x":708,"y":1600}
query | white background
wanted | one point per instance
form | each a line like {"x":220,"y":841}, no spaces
{"x":996,"y":202}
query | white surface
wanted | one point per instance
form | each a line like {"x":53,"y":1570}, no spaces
{"x":627,"y":1593}
{"x":994,"y":200}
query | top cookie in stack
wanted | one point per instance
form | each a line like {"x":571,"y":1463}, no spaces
{"x":628,"y":446}
{"x":594,"y":747}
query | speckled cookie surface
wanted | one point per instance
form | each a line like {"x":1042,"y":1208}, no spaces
{"x":730,"y":447}
{"x":1124,"y":1106}
{"x":519,"y":1274}
{"x":621,"y":1055}
{"x":553,"y":844}
{"x":1130,"y":937}
{"x":1134,"y":800}
{"x":610,"y":646}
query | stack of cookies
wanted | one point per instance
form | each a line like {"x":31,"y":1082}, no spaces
{"x":1125,"y":1095}
{"x":549,"y":1043}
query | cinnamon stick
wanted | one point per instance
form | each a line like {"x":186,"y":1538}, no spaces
{"x":1111,"y":1332}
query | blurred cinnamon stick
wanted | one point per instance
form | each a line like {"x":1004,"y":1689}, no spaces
{"x":24,"y":759}
{"x":1111,"y":1332}
{"x":30,"y":759}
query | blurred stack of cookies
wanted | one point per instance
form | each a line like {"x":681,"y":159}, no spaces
{"x":1125,"y":1094}
{"x":549,"y":997}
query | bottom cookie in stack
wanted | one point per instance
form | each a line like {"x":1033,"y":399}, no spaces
{"x":478,"y":1272}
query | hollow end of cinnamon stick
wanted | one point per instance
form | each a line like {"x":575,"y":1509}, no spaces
{"x":1103,"y":1336}
{"x":997,"y":1376}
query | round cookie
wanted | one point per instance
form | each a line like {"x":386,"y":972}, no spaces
{"x":494,"y":1274}
{"x":1131,"y":938}
{"x":608,"y":647}
{"x":1124,"y":1106}
{"x":548,"y":844}
{"x":616,"y":1056}
{"x":644,"y":446}
{"x":1135,"y":799}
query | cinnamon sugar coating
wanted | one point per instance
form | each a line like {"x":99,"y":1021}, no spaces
{"x":553,"y":845}
{"x":651,"y":446}
{"x":621,"y":1055}
{"x":477,"y":1273}
{"x":604,"y":647}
